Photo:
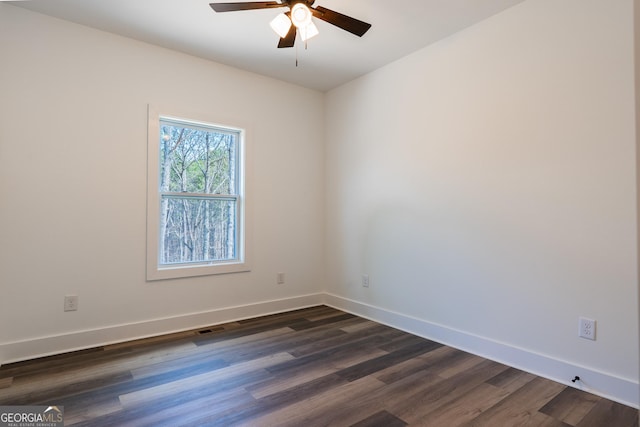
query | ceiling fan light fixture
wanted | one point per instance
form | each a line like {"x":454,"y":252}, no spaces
{"x":300,"y":15}
{"x":298,"y":18}
{"x":281,"y":25}
{"x":309,"y":31}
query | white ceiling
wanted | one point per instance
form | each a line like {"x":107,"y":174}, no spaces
{"x":245,"y":40}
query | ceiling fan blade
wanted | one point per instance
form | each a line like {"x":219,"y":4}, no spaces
{"x":347,"y":23}
{"x":289,"y":40}
{"x":247,"y":5}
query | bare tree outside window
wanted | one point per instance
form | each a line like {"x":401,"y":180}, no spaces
{"x":199,"y":194}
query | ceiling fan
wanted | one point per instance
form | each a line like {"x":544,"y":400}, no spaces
{"x":297,"y":18}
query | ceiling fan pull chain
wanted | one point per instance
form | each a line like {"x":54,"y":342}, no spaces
{"x":296,"y":56}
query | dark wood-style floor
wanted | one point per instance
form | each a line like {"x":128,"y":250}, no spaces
{"x":311,"y":367}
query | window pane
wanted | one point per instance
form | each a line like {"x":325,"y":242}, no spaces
{"x":196,"y":159}
{"x":197,"y":230}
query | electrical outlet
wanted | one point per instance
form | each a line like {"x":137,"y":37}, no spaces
{"x":280,"y":278}
{"x":587,"y":328}
{"x":71,"y":303}
{"x":365,"y":280}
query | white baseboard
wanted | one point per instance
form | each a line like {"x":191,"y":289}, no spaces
{"x":79,"y":340}
{"x":621,"y":390}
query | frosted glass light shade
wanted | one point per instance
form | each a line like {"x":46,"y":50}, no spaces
{"x":300,"y":15}
{"x":309,"y":31}
{"x":281,"y":25}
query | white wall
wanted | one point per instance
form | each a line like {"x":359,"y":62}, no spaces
{"x":487,"y":184}
{"x":73,"y":144}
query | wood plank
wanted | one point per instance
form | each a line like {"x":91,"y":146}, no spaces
{"x":288,"y":379}
{"x":570,"y":405}
{"x":330,"y":355}
{"x":322,"y":322}
{"x":355,"y":326}
{"x":91,"y":368}
{"x":212,"y":379}
{"x":41,"y":395}
{"x":285,"y":343}
{"x":372,"y":366}
{"x":429,"y":361}
{"x":344,"y":338}
{"x":465,"y":362}
{"x":605,"y":411}
{"x":185,"y":412}
{"x":538,"y":419}
{"x":283,"y":399}
{"x":49,"y":363}
{"x":518,"y":407}
{"x":204,"y":352}
{"x":6,"y":382}
{"x":416,"y":407}
{"x":76,"y":414}
{"x":511,"y":379}
{"x":382,"y":418}
{"x":465,"y":407}
{"x":389,"y":398}
{"x":313,"y":409}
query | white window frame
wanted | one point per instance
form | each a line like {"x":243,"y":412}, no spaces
{"x":156,"y":271}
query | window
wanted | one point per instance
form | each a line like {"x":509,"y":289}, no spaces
{"x":196,"y":198}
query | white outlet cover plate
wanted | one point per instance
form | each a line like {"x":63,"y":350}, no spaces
{"x":587,"y":328}
{"x":71,"y":303}
{"x":365,"y":280}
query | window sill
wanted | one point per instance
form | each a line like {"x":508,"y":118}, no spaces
{"x":182,"y":271}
